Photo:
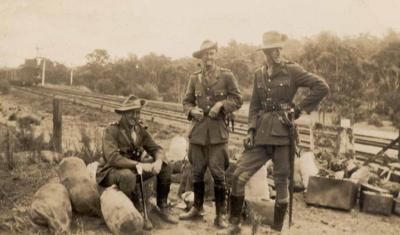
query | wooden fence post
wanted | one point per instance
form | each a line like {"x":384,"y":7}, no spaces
{"x":9,"y":150}
{"x":57,"y":125}
{"x":398,"y":148}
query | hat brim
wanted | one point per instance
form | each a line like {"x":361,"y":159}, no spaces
{"x":127,"y":109}
{"x":271,"y":46}
{"x":198,"y":54}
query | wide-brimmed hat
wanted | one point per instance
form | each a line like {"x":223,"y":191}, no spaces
{"x":205,"y":46}
{"x":273,"y":39}
{"x":130,"y":103}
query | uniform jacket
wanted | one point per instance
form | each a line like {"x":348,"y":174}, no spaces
{"x":204,"y":92}
{"x":280,"y":88}
{"x":119,"y":142}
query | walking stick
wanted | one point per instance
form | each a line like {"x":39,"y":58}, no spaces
{"x":147,"y":223}
{"x":292,"y":153}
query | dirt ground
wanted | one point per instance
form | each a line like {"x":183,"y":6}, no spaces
{"x":17,"y":186}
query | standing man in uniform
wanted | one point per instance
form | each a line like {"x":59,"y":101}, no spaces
{"x":212,"y":94}
{"x":123,"y":145}
{"x":275,"y":85}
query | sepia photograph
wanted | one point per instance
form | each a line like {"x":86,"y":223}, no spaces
{"x":192,"y":117}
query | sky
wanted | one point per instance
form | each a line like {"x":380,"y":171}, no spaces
{"x":67,"y":30}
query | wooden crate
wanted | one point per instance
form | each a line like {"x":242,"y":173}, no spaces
{"x":376,"y":203}
{"x":332,"y":193}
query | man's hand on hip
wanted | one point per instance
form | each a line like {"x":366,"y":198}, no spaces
{"x":197,"y":113}
{"x":214,"y":111}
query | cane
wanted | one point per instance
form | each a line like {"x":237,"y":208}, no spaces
{"x":292,"y":152}
{"x":147,"y":223}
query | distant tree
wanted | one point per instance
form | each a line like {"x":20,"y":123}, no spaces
{"x":341,"y":66}
{"x":387,"y":78}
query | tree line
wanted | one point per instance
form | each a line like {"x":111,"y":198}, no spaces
{"x":362,"y":71}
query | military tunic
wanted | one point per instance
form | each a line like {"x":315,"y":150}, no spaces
{"x":209,"y":137}
{"x":119,"y":142}
{"x":271,"y":97}
{"x":279,"y":89}
{"x":204,"y":92}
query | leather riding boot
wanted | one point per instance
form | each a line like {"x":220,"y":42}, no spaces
{"x":236,"y":206}
{"x":162,"y":203}
{"x":220,"y":207}
{"x":279,"y":216}
{"x":197,"y":209}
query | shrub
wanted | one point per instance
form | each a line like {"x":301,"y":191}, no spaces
{"x":375,"y":120}
{"x":106,"y":86}
{"x":4,"y":86}
{"x":148,"y":91}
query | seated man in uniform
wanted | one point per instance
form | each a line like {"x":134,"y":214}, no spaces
{"x":123,"y":145}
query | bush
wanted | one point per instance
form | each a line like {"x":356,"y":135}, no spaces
{"x":106,"y":86}
{"x":4,"y":86}
{"x":148,"y":91}
{"x":375,"y":120}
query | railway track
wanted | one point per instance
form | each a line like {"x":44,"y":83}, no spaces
{"x":365,"y":144}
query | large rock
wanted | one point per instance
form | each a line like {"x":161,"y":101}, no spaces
{"x":49,"y":156}
{"x":51,"y":207}
{"x":92,"y":168}
{"x":177,"y":149}
{"x":82,"y":190}
{"x":307,"y":167}
{"x":119,"y":213}
{"x":361,"y":176}
{"x":260,"y":206}
{"x":257,"y":187}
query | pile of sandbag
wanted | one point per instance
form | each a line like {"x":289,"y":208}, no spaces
{"x":53,"y":203}
{"x":82,"y":190}
{"x":51,"y":207}
{"x":119,"y":212}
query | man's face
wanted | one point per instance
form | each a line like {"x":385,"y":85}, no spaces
{"x":132,"y":117}
{"x":273,"y":55}
{"x":209,"y":57}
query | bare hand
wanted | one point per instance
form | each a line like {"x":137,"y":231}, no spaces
{"x":197,"y":114}
{"x":248,"y":142}
{"x":146,"y":167}
{"x":214,"y":111}
{"x":157,"y":166}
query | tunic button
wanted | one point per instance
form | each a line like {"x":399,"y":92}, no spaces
{"x":208,"y":106}
{"x":269,"y":89}
{"x":269,"y":80}
{"x":208,"y":97}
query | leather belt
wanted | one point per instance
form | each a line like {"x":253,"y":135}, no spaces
{"x":272,"y":107}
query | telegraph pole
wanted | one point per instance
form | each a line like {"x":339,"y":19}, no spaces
{"x":43,"y":71}
{"x":44,"y":65}
{"x":71,"y":79}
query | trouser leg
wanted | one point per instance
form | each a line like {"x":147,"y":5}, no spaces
{"x":125,"y":179}
{"x":281,"y":174}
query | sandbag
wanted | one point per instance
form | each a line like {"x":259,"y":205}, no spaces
{"x":361,"y":175}
{"x":82,"y":191}
{"x":119,"y":213}
{"x":257,"y":187}
{"x":92,"y":168}
{"x":177,"y":149}
{"x":298,"y":182}
{"x":307,"y":167}
{"x":51,"y":207}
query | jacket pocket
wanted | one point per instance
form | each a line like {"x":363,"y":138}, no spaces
{"x":193,"y":125}
{"x":278,"y":129}
{"x":220,"y":95}
{"x":223,"y":129}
